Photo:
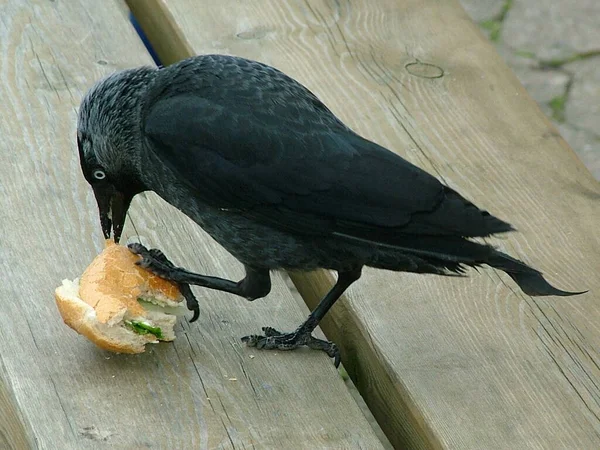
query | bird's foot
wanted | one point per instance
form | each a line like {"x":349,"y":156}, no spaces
{"x":156,"y":262}
{"x":276,"y":340}
{"x":153,"y":260}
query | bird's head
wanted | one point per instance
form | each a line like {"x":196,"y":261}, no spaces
{"x":109,"y":144}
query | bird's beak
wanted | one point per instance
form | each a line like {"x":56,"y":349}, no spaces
{"x":112,"y":206}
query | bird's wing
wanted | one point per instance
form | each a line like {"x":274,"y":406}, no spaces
{"x":290,"y":164}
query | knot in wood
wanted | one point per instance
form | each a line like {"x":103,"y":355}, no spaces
{"x":424,"y":70}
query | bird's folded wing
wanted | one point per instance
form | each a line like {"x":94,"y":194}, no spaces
{"x":286,"y":167}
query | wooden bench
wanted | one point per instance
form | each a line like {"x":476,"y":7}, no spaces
{"x":57,"y":391}
{"x":460,"y":363}
{"x":466,"y":363}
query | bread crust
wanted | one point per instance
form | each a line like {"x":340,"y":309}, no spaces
{"x":112,"y":284}
{"x":81,"y":317}
{"x":96,"y":305}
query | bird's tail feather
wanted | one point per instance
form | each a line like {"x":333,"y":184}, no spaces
{"x":451,"y":253}
{"x":529,"y":279}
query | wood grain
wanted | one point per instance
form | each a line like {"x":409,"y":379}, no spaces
{"x":13,"y":433}
{"x":58,"y":391}
{"x":461,"y":363}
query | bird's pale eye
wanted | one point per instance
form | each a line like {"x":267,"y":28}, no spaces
{"x":99,"y":174}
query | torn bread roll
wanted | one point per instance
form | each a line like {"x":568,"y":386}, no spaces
{"x":118,"y":305}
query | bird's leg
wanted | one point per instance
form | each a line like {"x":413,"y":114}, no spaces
{"x":184,"y":288}
{"x":273,"y":339}
{"x":256,"y":284}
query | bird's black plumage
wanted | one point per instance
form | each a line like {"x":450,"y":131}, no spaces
{"x":246,"y":137}
{"x":266,"y":168}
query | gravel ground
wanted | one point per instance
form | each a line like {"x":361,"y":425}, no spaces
{"x":553,"y":46}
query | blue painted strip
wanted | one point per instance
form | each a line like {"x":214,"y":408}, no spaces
{"x":145,"y":40}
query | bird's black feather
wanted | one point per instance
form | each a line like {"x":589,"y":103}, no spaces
{"x":291,"y":165}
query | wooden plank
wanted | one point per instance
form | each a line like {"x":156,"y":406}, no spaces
{"x":57,"y":391}
{"x":13,"y":433}
{"x":460,"y":363}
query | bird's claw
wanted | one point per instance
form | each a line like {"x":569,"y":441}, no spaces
{"x":190,"y":301}
{"x":276,"y":340}
{"x":137,"y":249}
{"x":156,"y":262}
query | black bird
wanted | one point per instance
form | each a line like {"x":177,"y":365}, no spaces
{"x":264,"y":167}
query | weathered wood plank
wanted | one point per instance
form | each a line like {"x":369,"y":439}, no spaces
{"x":13,"y":433}
{"x":460,"y":363}
{"x":57,"y":391}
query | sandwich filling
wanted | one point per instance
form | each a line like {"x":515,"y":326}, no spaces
{"x":144,"y":328}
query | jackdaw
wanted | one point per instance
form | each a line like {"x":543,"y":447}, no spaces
{"x":263,"y":166}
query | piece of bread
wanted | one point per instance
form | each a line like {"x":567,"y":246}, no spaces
{"x":103,"y":304}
